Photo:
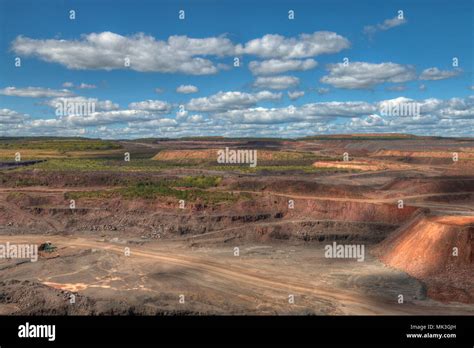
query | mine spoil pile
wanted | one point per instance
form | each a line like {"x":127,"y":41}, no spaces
{"x":424,"y":249}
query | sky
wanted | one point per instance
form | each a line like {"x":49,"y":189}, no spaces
{"x":133,"y":69}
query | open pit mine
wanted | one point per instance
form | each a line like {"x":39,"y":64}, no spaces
{"x":330,"y":225}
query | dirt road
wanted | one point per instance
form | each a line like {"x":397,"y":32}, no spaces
{"x":238,"y":276}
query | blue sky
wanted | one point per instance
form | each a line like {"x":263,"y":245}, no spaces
{"x":390,"y":60}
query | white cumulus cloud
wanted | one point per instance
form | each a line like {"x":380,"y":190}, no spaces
{"x":8,"y":116}
{"x":276,"y":82}
{"x":293,"y":95}
{"x":362,"y":75}
{"x":109,"y":51}
{"x":278,"y":66}
{"x":35,"y":92}
{"x":302,"y":46}
{"x":437,"y":74}
{"x":187,"y":89}
{"x":157,"y":106}
{"x":385,"y":25}
{"x":230,"y":100}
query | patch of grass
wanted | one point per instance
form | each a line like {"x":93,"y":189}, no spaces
{"x":149,"y":165}
{"x":62,"y":145}
{"x":102,"y":194}
{"x":71,"y":164}
{"x":103,"y":164}
{"x":195,"y":190}
{"x":145,"y":165}
{"x":21,"y":182}
{"x":154,"y":190}
{"x":202,"y":182}
{"x":15,"y":195}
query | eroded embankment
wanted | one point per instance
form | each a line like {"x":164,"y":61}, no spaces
{"x":465,"y":153}
{"x":431,"y":185}
{"x":266,"y":217}
{"x":302,"y":187}
{"x":438,"y":250}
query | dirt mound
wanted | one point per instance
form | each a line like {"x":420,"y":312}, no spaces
{"x":437,"y":250}
{"x":431,"y":185}
{"x":168,"y":155}
{"x":433,"y":154}
{"x":211,"y":155}
{"x":359,"y":165}
{"x":33,"y":298}
{"x":299,"y":187}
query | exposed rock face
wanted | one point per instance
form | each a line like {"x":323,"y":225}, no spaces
{"x":438,"y":250}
